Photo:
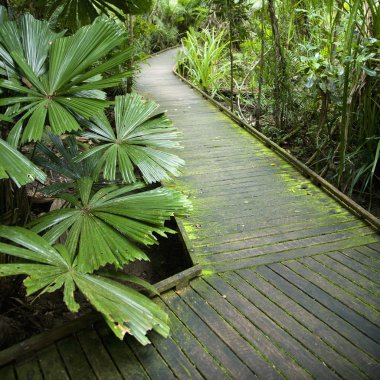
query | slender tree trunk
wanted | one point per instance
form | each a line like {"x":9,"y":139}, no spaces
{"x":230,"y":16}
{"x":261,"y":73}
{"x":280,"y":75}
{"x":130,"y":42}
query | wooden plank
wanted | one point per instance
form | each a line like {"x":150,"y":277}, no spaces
{"x":97,"y":355}
{"x":74,"y":359}
{"x":362,"y":258}
{"x":283,"y":363}
{"x":322,"y":241}
{"x":375,"y":246}
{"x":123,"y":357}
{"x":247,"y":225}
{"x":286,"y":227}
{"x":197,"y":354}
{"x":371,"y":253}
{"x":348,"y":307}
{"x":289,"y":254}
{"x":276,"y":333}
{"x":311,"y":342}
{"x":7,"y":373}
{"x":338,"y":280}
{"x":42,"y":340}
{"x":151,"y":360}
{"x":274,"y":236}
{"x":215,"y":346}
{"x":313,"y":320}
{"x":246,"y":352}
{"x":28,"y":370}
{"x":299,"y":290}
{"x":349,"y":274}
{"x":51,"y":364}
{"x":177,"y":361}
{"x":357,"y":267}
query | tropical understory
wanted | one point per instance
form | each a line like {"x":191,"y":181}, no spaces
{"x":83,"y":156}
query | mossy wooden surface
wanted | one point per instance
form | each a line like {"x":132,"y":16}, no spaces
{"x":290,"y":285}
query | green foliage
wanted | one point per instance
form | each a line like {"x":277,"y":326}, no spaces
{"x":137,"y":141}
{"x":202,"y":58}
{"x":17,"y":167}
{"x":54,"y":85}
{"x":320,"y":80}
{"x":76,"y":13}
{"x":102,"y":227}
{"x":54,"y":266}
{"x":54,"y":78}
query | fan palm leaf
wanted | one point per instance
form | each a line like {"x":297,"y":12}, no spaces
{"x":139,"y":140}
{"x":58,"y":81}
{"x":17,"y":167}
{"x":124,"y":309}
{"x":76,"y":13}
{"x":107,"y":226}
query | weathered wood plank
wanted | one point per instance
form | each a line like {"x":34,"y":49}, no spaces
{"x":337,"y":279}
{"x":283,"y":363}
{"x":348,"y":273}
{"x":75,"y":361}
{"x":51,"y":364}
{"x":293,"y":285}
{"x":97,"y":355}
{"x":123,"y":357}
{"x":151,"y":360}
{"x":28,"y":370}
{"x":247,"y":353}
{"x":364,"y":270}
{"x":309,"y":314}
{"x":310,"y":341}
{"x":215,"y":346}
{"x":276,"y":333}
{"x":180,"y":365}
{"x":362,"y":258}
{"x":355,"y":311}
{"x":193,"y":349}
{"x":285,"y":255}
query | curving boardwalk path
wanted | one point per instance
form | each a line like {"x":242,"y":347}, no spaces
{"x":290,"y":282}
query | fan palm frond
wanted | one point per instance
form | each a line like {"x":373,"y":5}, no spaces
{"x":17,"y":167}
{"x":124,"y":309}
{"x":139,"y":140}
{"x":59,"y":81}
{"x":107,"y":226}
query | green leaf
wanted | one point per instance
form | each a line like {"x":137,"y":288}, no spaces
{"x":140,"y":135}
{"x":58,"y":72}
{"x":124,"y":309}
{"x":17,"y":167}
{"x":105,"y":227}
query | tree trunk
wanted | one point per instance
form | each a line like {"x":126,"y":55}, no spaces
{"x":130,"y":62}
{"x":230,"y":16}
{"x":280,"y":80}
{"x":261,"y":73}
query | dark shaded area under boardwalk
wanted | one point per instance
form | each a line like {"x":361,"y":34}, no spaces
{"x":290,"y":284}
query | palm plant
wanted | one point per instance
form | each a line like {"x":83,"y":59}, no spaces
{"x":55,"y":80}
{"x":105,"y":226}
{"x":51,"y":267}
{"x":137,"y":141}
{"x":76,"y":13}
{"x":53,"y":77}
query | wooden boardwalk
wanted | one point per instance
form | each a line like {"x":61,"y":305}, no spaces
{"x":290,"y":283}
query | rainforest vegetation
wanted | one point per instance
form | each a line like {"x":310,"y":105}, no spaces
{"x":305,"y":73}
